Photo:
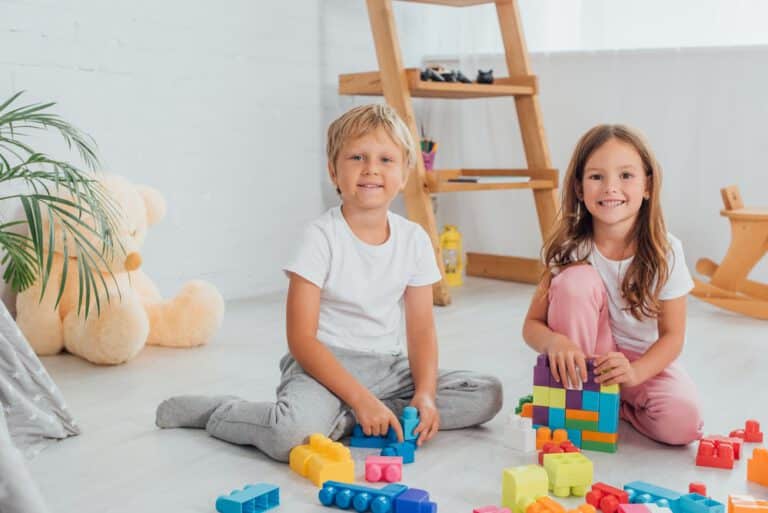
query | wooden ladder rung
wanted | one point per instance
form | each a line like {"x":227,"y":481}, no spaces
{"x":440,"y":180}
{"x":369,"y":84}
{"x":502,"y":267}
{"x":452,"y":3}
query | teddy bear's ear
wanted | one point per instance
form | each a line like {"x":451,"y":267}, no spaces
{"x":154,"y":202}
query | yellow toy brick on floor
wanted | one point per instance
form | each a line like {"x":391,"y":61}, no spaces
{"x":569,"y":473}
{"x":322,"y":460}
{"x":521,"y":486}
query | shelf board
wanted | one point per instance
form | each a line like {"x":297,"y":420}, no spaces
{"x":437,"y":181}
{"x":369,"y":84}
{"x":452,"y":3}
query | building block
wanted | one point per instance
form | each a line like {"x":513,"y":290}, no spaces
{"x":541,"y":396}
{"x":322,"y":459}
{"x":590,"y":384}
{"x":545,"y":434}
{"x":569,"y":473}
{"x":406,"y":450}
{"x":540,"y":415}
{"x":632,"y":508}
{"x":609,"y":389}
{"x":574,"y":435}
{"x":557,"y":398}
{"x":583,"y":425}
{"x":655,"y":508}
{"x":696,"y":503}
{"x":409,"y":420}
{"x":590,"y":400}
{"x":383,"y":468}
{"x":254,"y":498}
{"x":715,"y":453}
{"x":557,"y":418}
{"x":573,"y":399}
{"x":491,"y":509}
{"x":414,"y":500}
{"x":746,"y":504}
{"x":697,"y":487}
{"x":751,"y":432}
{"x":521,"y":486}
{"x":736,"y":442}
{"x":609,"y":413}
{"x":554,"y":447}
{"x":606,"y":498}
{"x":640,"y":492}
{"x":360,"y":439}
{"x":526,"y":399}
{"x":519,"y":434}
{"x":527,"y":410}
{"x":596,"y":436}
{"x":541,"y":374}
{"x":360,"y":498}
{"x":545,"y":505}
{"x":757,"y":466}
{"x":583,"y":508}
{"x":590,"y":416}
{"x":589,"y":445}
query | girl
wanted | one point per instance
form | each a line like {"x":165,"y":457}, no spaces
{"x":615,"y":287}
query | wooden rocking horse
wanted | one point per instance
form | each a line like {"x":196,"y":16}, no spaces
{"x":729,"y":287}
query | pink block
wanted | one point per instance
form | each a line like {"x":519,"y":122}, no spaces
{"x":491,"y":509}
{"x":633,"y":508}
{"x":383,"y":468}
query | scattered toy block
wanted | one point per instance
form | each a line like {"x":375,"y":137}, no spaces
{"x":545,"y":434}
{"x":383,"y":468}
{"x":736,"y":442}
{"x":644,"y":493}
{"x":406,"y":450}
{"x":254,"y":498}
{"x":746,"y":504}
{"x":697,"y":503}
{"x":544,"y":505}
{"x":715,"y":453}
{"x":527,"y":410}
{"x":491,"y":509}
{"x":583,"y":508}
{"x":526,"y":399}
{"x":757,"y":466}
{"x":521,"y":486}
{"x":360,"y":439}
{"x":554,"y":447}
{"x":698,"y":487}
{"x":606,"y":498}
{"x":321,"y":460}
{"x":632,"y":508}
{"x":751,"y":432}
{"x":362,"y":498}
{"x":414,"y":500}
{"x":519,"y":434}
{"x":568,"y":473}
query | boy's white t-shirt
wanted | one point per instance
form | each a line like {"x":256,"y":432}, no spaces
{"x":361,"y":302}
{"x":628,"y":332}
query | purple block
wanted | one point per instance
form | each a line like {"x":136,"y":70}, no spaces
{"x":542,"y":360}
{"x":414,"y":500}
{"x":573,"y":399}
{"x":590,"y":383}
{"x":541,"y":376}
{"x":540,"y":415}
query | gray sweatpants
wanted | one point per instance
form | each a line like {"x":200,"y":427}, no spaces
{"x":304,"y":406}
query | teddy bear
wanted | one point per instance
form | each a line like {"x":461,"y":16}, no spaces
{"x":134,"y":313}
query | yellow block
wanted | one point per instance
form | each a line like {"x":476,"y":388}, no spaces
{"x":557,"y":398}
{"x":321,"y":460}
{"x":541,"y":396}
{"x":609,"y":389}
{"x":521,"y":486}
{"x":591,"y":416}
{"x":594,"y":436}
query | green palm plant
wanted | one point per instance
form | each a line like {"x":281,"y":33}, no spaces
{"x":57,"y":193}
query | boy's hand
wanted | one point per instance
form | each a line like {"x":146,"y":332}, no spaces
{"x":375,"y":418}
{"x":614,"y":368}
{"x":429,"y":418}
{"x":567,"y":362}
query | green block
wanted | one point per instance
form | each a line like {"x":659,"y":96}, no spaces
{"x":589,"y":445}
{"x":523,"y":400}
{"x":582,"y":425}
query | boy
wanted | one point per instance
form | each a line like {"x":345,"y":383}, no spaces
{"x":359,"y":271}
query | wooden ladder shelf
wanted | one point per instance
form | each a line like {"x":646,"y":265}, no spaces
{"x":398,"y":85}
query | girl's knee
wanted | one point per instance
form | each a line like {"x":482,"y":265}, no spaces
{"x":577,"y":281}
{"x":679,"y":423}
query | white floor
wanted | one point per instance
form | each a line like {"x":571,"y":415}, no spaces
{"x":123,"y":463}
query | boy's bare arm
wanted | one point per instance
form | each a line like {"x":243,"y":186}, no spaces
{"x":302,"y":314}
{"x":422,"y":357}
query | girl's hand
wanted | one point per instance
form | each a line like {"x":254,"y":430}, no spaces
{"x":375,"y":418}
{"x":429,"y":418}
{"x":614,"y":368}
{"x":567,"y":362}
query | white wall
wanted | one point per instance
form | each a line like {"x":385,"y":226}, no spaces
{"x":215,"y":104}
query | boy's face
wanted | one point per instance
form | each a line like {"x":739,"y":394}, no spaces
{"x":369,"y":171}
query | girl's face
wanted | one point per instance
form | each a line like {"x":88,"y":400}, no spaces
{"x":614,"y":185}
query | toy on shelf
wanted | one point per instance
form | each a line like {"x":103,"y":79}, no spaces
{"x":393,"y":498}
{"x":453,"y":256}
{"x":757,"y":466}
{"x":383,"y":468}
{"x":746,"y":504}
{"x":729,"y":287}
{"x":751,"y":432}
{"x":254,"y":498}
{"x":519,"y":434}
{"x":606,"y":498}
{"x":521,"y":486}
{"x":715,"y":453}
{"x":569,"y":473}
{"x":322,"y":459}
{"x":590,"y":416}
{"x":484,"y":77}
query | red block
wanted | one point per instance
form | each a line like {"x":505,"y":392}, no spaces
{"x":606,"y":498}
{"x":698,"y":487}
{"x":734,"y":441}
{"x":715,"y":453}
{"x":751,"y":432}
{"x":555,"y":447}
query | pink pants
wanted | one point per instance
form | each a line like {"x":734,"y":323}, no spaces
{"x":664,"y":408}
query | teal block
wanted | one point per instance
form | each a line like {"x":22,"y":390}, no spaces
{"x":409,"y":421}
{"x":574,"y":435}
{"x":608,"y":421}
{"x":590,"y":401}
{"x":557,"y":418}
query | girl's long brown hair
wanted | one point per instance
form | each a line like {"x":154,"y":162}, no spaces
{"x":571,"y":238}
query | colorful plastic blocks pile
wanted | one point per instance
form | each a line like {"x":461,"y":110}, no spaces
{"x":590,"y":415}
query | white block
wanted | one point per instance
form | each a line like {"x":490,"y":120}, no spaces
{"x":519,"y":434}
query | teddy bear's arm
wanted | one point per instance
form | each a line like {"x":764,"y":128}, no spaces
{"x":40,"y":320}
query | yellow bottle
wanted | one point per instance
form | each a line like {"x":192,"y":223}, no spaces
{"x":453,"y":259}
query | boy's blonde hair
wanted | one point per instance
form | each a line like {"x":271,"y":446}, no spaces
{"x":365,"y":119}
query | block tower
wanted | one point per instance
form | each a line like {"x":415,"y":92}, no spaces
{"x":590,"y":415}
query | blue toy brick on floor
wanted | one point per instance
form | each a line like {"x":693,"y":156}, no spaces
{"x":253,"y":498}
{"x":642,"y":492}
{"x":696,"y":503}
{"x":406,"y":450}
{"x":414,"y":500}
{"x":360,"y":498}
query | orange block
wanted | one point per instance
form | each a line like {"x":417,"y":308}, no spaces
{"x":591,"y":416}
{"x":584,"y":508}
{"x":545,"y":505}
{"x":746,"y":504}
{"x":527,"y":410}
{"x":594,"y":436}
{"x":757,"y":466}
{"x":544,"y":435}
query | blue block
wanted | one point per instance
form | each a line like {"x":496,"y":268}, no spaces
{"x":574,"y":435}
{"x":608,"y":420}
{"x":642,"y":492}
{"x":414,"y":500}
{"x":361,"y":498}
{"x":254,"y":498}
{"x":406,"y":450}
{"x":695,"y":503}
{"x":590,"y":401}
{"x":360,"y":439}
{"x":409,"y":421}
{"x":557,"y":418}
